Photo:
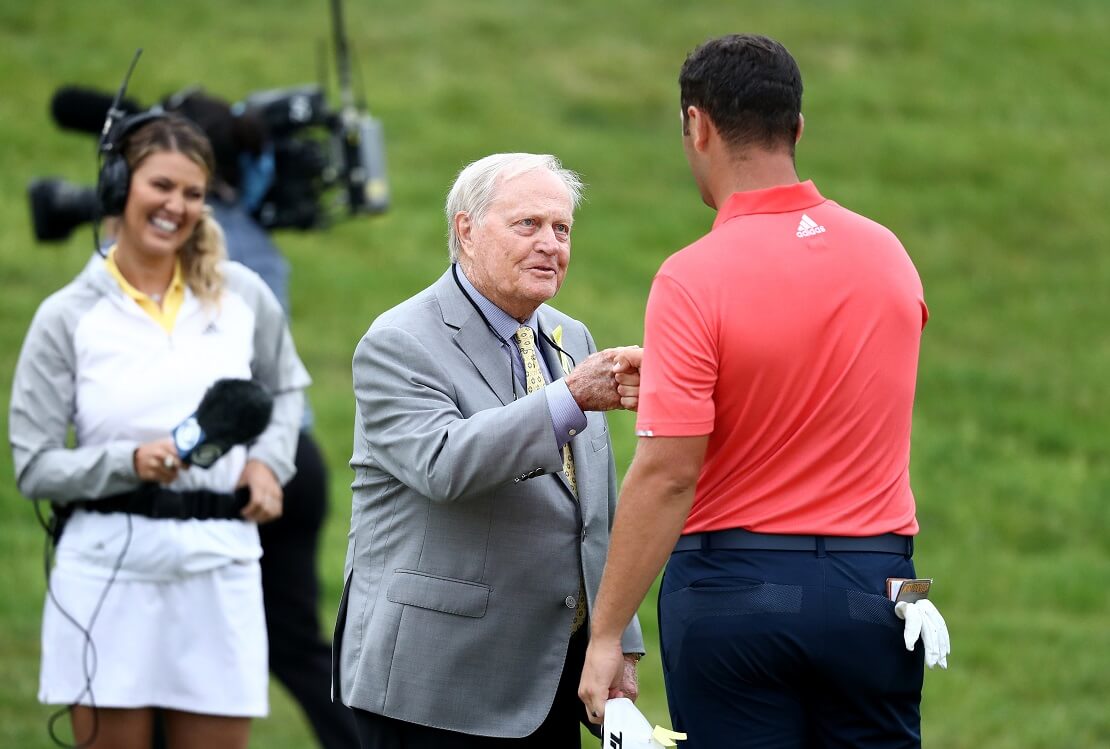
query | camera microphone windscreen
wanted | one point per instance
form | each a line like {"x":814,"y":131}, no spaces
{"x":84,"y":109}
{"x":232,"y":412}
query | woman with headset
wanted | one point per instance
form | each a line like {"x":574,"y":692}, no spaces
{"x":155,"y":599}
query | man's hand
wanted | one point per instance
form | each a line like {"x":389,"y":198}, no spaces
{"x":596,"y":382}
{"x":157,"y":461}
{"x":266,"y":495}
{"x":629,"y":684}
{"x":603,"y":676}
{"x":627,"y":374}
{"x":592,"y":384}
{"x":924,"y":621}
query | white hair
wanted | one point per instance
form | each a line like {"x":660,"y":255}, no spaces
{"x":474,"y":188}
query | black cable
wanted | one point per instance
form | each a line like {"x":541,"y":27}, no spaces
{"x":97,"y":218}
{"x":559,"y":348}
{"x":505,"y":343}
{"x":88,"y":653}
{"x":47,"y":525}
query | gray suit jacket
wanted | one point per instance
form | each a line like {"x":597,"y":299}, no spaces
{"x":463,"y":558}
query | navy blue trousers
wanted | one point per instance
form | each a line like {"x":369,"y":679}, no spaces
{"x":788,"y":649}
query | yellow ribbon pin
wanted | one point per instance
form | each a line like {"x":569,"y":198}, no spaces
{"x":564,"y":360}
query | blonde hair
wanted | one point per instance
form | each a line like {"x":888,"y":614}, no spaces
{"x":205,"y":249}
{"x":201,"y":256}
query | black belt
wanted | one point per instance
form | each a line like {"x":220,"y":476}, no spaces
{"x":155,"y":501}
{"x":738,"y":538}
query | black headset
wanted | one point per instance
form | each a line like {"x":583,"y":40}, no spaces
{"x":114,"y":179}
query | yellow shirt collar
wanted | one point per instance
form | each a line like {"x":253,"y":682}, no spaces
{"x":165,"y":314}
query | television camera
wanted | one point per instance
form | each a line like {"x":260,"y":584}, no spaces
{"x":319,"y":163}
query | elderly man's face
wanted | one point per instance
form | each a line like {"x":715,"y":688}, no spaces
{"x":518,"y":255}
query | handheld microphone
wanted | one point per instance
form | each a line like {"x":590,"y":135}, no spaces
{"x":232,"y":412}
{"x":84,"y":109}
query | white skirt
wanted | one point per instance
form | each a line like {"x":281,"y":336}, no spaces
{"x":196,"y":644}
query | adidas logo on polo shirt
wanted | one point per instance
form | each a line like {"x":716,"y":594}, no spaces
{"x":807,"y":227}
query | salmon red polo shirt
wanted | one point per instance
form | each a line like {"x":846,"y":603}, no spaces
{"x":789,"y":334}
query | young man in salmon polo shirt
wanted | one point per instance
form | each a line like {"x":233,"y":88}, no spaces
{"x":772,"y":471}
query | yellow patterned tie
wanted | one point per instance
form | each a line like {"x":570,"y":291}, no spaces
{"x":533,"y":381}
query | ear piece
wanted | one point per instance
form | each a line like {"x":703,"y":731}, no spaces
{"x":114,"y":179}
{"x":112,"y":185}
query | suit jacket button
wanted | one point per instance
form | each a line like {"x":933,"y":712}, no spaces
{"x":570,"y":602}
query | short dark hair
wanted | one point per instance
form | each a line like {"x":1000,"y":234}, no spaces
{"x":750,"y":87}
{"x":230,"y":134}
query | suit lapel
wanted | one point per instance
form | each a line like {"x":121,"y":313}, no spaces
{"x":483,"y":349}
{"x":488,"y":357}
{"x":475,"y":338}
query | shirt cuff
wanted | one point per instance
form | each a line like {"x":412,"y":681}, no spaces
{"x":566,"y":417}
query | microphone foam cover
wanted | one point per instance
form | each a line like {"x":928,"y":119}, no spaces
{"x":84,"y":109}
{"x":234,"y":411}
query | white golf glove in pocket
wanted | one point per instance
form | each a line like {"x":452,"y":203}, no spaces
{"x":925,"y":622}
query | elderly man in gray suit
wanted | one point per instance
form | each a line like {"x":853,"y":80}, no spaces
{"x":484,"y":485}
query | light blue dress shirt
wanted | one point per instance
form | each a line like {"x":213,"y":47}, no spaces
{"x":567,"y":418}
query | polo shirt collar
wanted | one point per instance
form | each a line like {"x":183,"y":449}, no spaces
{"x":778,"y":199}
{"x":164,"y":313}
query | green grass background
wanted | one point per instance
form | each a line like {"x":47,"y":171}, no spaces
{"x":975,"y":130}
